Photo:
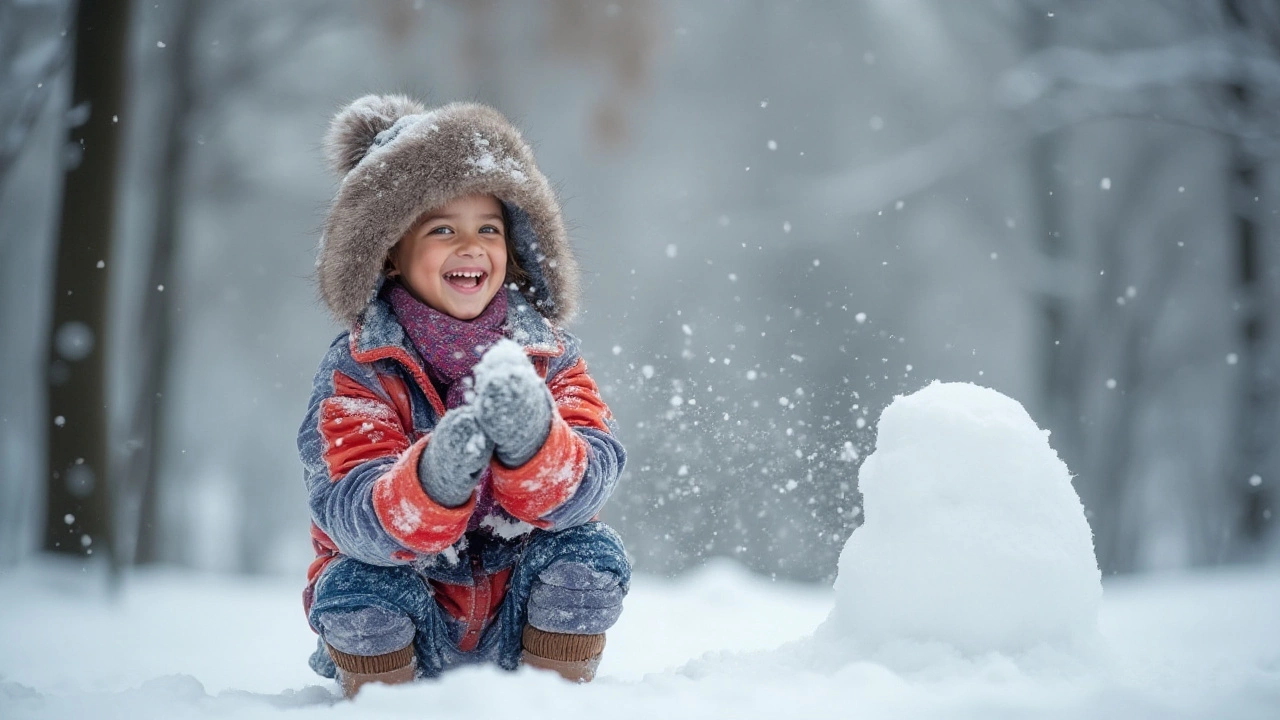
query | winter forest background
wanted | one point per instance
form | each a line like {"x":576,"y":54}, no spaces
{"x":787,"y":213}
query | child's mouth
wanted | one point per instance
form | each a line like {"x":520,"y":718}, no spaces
{"x":466,"y":281}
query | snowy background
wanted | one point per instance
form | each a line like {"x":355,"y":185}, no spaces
{"x":788,"y":213}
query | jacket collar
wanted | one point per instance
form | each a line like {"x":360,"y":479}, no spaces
{"x":528,"y":327}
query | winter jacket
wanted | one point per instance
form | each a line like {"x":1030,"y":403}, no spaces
{"x":371,"y":413}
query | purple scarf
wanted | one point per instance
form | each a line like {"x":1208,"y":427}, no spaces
{"x":450,"y":347}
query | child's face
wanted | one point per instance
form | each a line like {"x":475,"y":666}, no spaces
{"x":439,"y":259}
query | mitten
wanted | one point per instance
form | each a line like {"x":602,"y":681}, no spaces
{"x":455,"y":457}
{"x":515,"y":405}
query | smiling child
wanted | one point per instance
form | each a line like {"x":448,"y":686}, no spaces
{"x":456,"y":451}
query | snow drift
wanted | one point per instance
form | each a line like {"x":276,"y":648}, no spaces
{"x":975,"y":550}
{"x":974,"y":536}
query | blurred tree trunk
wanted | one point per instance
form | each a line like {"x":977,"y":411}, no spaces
{"x":1258,"y":397}
{"x":1255,"y":413}
{"x":193,"y":93}
{"x":78,"y":508}
{"x":139,"y":508}
{"x":1058,"y":355}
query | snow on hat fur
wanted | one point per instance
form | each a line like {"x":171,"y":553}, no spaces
{"x":399,"y":160}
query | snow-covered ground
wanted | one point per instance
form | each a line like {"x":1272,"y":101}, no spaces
{"x":970,"y":592}
{"x":174,"y":645}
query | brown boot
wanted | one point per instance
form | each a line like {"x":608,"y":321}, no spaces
{"x":574,"y":657}
{"x":356,"y":670}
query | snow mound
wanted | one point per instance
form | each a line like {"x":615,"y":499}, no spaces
{"x":974,"y":536}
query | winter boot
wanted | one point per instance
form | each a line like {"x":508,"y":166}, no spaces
{"x":356,"y":670}
{"x":575,"y":657}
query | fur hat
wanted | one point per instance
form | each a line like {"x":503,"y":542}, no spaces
{"x":399,"y":160}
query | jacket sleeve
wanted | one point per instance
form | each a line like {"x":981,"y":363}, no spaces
{"x":572,"y":475}
{"x":361,"y":467}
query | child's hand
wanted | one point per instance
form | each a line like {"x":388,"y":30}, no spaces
{"x":515,"y":405}
{"x":455,"y":457}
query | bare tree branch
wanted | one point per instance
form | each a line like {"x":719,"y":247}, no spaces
{"x":1058,"y":88}
{"x":27,"y":72}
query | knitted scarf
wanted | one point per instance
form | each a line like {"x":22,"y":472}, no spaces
{"x":450,"y":347}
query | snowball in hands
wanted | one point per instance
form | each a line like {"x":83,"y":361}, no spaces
{"x":974,"y":535}
{"x":455,"y":457}
{"x":515,"y":404}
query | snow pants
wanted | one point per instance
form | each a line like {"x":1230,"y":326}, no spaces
{"x":401,"y":597}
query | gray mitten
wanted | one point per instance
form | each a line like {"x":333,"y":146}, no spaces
{"x":455,"y":457}
{"x":515,"y":404}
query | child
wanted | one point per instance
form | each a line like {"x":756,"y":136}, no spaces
{"x":453,"y":499}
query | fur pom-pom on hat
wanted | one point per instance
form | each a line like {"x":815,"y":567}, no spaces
{"x":397,"y":160}
{"x":355,"y":128}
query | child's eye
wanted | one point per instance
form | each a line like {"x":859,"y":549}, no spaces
{"x":442,"y":230}
{"x":491,"y":229}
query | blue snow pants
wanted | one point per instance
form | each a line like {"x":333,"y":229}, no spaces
{"x":350,"y":585}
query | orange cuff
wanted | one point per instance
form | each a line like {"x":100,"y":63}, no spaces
{"x":409,"y":515}
{"x":546,"y":480}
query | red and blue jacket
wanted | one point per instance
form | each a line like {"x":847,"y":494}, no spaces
{"x":371,"y":413}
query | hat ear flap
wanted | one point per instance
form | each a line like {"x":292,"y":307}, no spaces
{"x":354,"y":128}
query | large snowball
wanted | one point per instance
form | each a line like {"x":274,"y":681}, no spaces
{"x":974,"y":535}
